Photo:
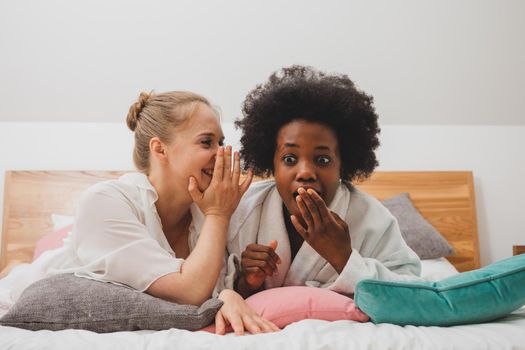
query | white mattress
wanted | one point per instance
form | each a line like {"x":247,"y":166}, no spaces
{"x":506,"y":333}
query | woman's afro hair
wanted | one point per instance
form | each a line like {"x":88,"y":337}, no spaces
{"x":304,"y":93}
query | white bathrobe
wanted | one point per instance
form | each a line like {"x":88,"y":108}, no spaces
{"x":378,"y":249}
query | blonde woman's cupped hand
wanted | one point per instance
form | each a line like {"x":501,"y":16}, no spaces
{"x":224,"y":193}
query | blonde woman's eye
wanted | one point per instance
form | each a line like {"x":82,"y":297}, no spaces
{"x":324,"y":160}
{"x":289,"y":159}
{"x":206,"y":142}
{"x":221,"y":143}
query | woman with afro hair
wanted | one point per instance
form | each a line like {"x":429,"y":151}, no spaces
{"x":315,"y":133}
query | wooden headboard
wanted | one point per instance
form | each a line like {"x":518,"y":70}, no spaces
{"x":30,"y":197}
{"x":445,"y":199}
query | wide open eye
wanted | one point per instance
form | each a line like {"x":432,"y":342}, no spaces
{"x":289,"y":159}
{"x":323,"y":160}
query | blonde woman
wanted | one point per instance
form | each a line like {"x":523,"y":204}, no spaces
{"x":163,"y":230}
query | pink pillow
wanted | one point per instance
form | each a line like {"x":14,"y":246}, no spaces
{"x":51,"y":240}
{"x":286,"y":305}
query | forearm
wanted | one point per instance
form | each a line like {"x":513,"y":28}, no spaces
{"x":202,"y":267}
{"x":359,"y":268}
{"x":199,"y":272}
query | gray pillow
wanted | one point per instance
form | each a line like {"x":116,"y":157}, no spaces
{"x":419,"y":234}
{"x":65,"y":301}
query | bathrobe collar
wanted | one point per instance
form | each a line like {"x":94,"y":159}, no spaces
{"x":307,"y":261}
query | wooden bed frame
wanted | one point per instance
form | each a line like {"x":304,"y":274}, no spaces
{"x":446,"y":199}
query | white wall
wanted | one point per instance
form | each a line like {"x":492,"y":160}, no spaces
{"x":493,"y":153}
{"x":71,"y":68}
{"x":425,"y":62}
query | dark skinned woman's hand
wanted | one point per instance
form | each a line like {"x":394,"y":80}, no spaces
{"x":325,"y":231}
{"x":257,"y":262}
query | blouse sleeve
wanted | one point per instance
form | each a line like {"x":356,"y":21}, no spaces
{"x":113,"y":243}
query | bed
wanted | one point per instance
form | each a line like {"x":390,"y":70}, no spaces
{"x":445,"y":199}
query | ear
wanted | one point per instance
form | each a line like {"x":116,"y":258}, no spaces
{"x":158,"y":149}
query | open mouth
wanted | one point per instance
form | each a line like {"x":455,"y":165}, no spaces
{"x":208,"y":172}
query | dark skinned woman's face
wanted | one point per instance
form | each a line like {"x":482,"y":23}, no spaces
{"x":307,"y":155}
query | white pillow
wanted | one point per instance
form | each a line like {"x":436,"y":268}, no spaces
{"x":60,"y":221}
{"x":437,"y":269}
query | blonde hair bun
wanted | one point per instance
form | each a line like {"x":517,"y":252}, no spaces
{"x":135,"y":110}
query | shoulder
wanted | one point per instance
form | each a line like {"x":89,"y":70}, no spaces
{"x":251,"y":203}
{"x":367,"y":205}
{"x":254,"y":197}
{"x":257,"y":192}
{"x":118,"y":189}
{"x":363,"y":197}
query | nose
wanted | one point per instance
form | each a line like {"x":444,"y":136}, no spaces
{"x":306,"y":172}
{"x":213,"y":150}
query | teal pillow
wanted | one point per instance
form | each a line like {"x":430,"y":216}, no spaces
{"x":471,"y":297}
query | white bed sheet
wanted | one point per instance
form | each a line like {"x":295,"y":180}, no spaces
{"x":506,"y":333}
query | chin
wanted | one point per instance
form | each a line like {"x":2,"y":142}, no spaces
{"x":293,"y":209}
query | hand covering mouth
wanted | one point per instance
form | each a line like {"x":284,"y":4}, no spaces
{"x":208,"y":172}
{"x":306,"y":188}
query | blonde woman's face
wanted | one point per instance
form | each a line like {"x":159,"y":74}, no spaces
{"x":192,"y":151}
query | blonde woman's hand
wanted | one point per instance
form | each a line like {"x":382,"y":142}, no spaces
{"x":224,"y":192}
{"x":237,"y":314}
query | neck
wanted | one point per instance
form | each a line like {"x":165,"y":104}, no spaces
{"x":173,"y":203}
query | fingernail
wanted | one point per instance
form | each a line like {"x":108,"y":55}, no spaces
{"x":301,"y":190}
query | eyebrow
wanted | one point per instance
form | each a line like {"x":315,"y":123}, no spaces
{"x":321,"y":147}
{"x":210,"y":134}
